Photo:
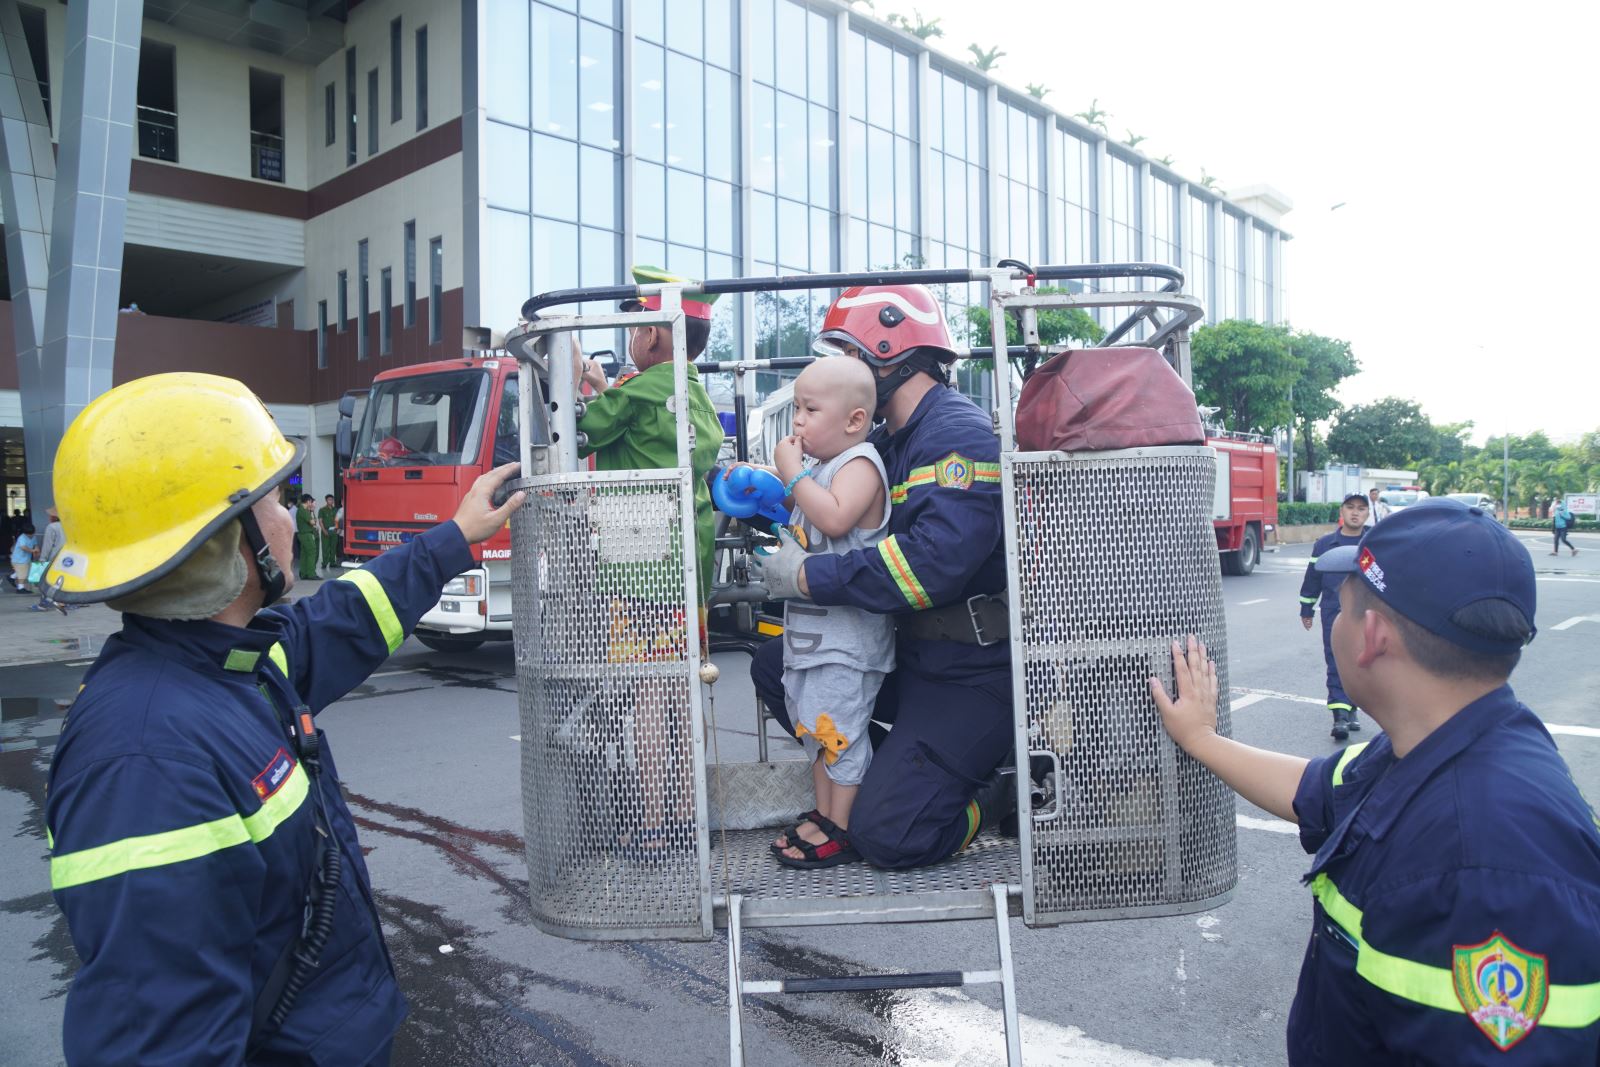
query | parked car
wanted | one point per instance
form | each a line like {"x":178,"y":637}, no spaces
{"x":1400,"y":499}
{"x":1477,"y":500}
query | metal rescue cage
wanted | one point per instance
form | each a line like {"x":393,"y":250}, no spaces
{"x":1110,"y":557}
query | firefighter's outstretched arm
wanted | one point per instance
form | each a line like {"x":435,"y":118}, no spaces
{"x":332,"y":641}
{"x":1266,"y":779}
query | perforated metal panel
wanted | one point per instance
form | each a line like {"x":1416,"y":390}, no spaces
{"x":1111,"y":557}
{"x":607,"y":642}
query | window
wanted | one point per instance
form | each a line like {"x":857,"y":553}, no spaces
{"x":344,"y":300}
{"x":507,"y":440}
{"x":410,"y":318}
{"x":322,"y":335}
{"x":385,"y":300}
{"x":435,"y":290}
{"x":266,"y":125}
{"x":33,"y":30}
{"x":372,"y":112}
{"x":422,"y":77}
{"x":330,"y":114}
{"x":361,"y":300}
{"x":394,"y":71}
{"x":350,"y":107}
{"x":158,"y":101}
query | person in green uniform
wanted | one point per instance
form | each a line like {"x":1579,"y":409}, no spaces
{"x":305,"y":531}
{"x":328,"y":515}
{"x":631,"y":424}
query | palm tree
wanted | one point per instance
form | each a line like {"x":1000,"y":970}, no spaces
{"x":1210,"y":182}
{"x":1037,"y":91}
{"x":1094,"y":116}
{"x":985,"y":59}
{"x":1165,"y":161}
{"x":1133,"y":139}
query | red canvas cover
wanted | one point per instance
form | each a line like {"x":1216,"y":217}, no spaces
{"x":1099,"y":399}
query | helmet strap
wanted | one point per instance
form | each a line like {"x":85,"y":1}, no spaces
{"x":267,"y":569}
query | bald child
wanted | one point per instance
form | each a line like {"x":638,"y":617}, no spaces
{"x":835,"y":657}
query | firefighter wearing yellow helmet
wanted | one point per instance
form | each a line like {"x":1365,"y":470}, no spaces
{"x":208,"y":868}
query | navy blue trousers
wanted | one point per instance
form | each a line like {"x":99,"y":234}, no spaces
{"x":1338,"y":700}
{"x":947,"y":737}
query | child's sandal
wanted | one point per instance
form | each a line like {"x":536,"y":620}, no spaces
{"x":831,"y":853}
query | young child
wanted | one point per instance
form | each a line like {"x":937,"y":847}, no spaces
{"x":1353,"y":514}
{"x":834,"y":657}
{"x":630,"y":425}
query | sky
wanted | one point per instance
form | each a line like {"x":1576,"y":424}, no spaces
{"x":1459,"y":139}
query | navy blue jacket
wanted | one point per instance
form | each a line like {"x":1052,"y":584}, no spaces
{"x":182,"y":833}
{"x":1457,"y":900}
{"x":946,"y":538}
{"x":1316,"y":584}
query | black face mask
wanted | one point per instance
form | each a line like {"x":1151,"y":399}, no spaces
{"x":921,"y":361}
{"x":267,"y":569}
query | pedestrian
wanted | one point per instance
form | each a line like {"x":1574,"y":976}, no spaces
{"x":1376,"y":508}
{"x":1561,"y":520}
{"x":49,"y":545}
{"x":23,"y":549}
{"x":201,"y":849}
{"x":306,"y":536}
{"x":1456,"y":879}
{"x":328,"y":519}
{"x":1317,"y":585}
{"x":934,"y":780}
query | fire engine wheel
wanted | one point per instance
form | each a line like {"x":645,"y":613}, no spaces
{"x":448,"y":643}
{"x":1244,"y":561}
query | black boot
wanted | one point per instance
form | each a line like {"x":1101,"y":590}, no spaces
{"x":997,"y":802}
{"x":1341,"y":730}
{"x":1352,"y":720}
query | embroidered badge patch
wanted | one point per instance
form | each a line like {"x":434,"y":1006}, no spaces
{"x":1503,"y":988}
{"x":271,"y":780}
{"x":954,"y":471}
{"x":1368,"y":565}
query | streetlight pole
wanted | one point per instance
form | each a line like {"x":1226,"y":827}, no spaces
{"x":1505,"y":476}
{"x":1290,"y":483}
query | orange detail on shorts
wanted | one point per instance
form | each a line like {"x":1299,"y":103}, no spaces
{"x":828,"y":737}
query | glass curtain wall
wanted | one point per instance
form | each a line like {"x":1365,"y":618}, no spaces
{"x":553,"y":143}
{"x":958,"y":187}
{"x":883,"y":119}
{"x":1076,"y":242}
{"x":1198,"y":275}
{"x":1261,"y":307}
{"x":1021,"y":174}
{"x":1230,"y":269}
{"x":794,"y":132}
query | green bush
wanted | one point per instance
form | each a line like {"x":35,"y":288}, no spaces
{"x":1584,"y":525}
{"x":1298,"y":514}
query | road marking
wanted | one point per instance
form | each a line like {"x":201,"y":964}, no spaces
{"x":1575,"y":620}
{"x":1246,"y":700}
{"x":1565,"y":578}
{"x":517,"y":738}
{"x":1270,"y":694}
{"x":1254,"y":695}
{"x":81,"y":663}
{"x":1247,"y":603}
{"x":385,"y":674}
{"x":1277,"y":826}
{"x":1572,"y":731}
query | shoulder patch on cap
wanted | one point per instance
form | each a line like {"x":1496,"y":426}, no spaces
{"x":1503,"y":987}
{"x":1367,"y":563}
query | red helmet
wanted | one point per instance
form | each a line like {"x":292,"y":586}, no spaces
{"x":886,"y":322}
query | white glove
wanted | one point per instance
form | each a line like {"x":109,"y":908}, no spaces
{"x":779,"y":572}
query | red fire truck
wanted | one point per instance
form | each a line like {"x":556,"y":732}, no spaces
{"x":1246,"y":506}
{"x":426,"y":433}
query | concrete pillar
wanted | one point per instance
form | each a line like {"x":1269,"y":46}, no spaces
{"x":96,"y":126}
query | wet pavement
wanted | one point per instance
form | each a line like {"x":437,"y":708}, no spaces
{"x":430,"y":754}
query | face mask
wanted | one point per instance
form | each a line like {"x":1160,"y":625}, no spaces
{"x":920,"y":361}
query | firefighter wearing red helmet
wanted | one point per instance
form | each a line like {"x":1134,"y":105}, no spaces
{"x":941,"y":572}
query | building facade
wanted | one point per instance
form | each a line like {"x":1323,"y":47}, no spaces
{"x":318,"y":198}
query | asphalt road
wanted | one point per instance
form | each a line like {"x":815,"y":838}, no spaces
{"x":430,"y":757}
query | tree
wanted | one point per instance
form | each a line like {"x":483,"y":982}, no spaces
{"x":985,"y":58}
{"x":1133,"y":139}
{"x":1094,"y":116}
{"x":1451,"y":444}
{"x":1037,"y":91}
{"x":1210,"y":182}
{"x":1328,"y":362}
{"x":1245,"y":369}
{"x":1391,"y":432}
{"x":1166,"y":161}
{"x":1057,"y":326}
{"x":917,"y":26}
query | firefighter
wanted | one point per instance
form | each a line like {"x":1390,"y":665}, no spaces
{"x":1456,"y":878}
{"x":941,"y":572}
{"x":201,"y":849}
{"x":1352,"y":524}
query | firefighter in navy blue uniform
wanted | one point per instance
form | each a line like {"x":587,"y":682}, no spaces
{"x":1318,"y":586}
{"x":195,"y":820}
{"x":1456,"y":879}
{"x":941,"y":571}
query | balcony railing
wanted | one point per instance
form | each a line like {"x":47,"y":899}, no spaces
{"x":158,"y":134}
{"x":266,"y":156}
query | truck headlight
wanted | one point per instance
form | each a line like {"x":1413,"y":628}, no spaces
{"x":464,"y":585}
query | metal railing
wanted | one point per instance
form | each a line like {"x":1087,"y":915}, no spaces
{"x":266,"y":156}
{"x":158,"y":134}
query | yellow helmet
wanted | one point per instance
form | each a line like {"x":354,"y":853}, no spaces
{"x":152,"y":469}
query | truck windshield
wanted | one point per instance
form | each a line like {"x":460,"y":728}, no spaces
{"x":428,"y":419}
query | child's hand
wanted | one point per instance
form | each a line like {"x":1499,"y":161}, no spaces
{"x":789,"y":457}
{"x":730,"y":468}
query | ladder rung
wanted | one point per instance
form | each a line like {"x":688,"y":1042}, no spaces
{"x":861,"y":983}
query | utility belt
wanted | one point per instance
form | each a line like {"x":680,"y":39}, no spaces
{"x":981,"y":620}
